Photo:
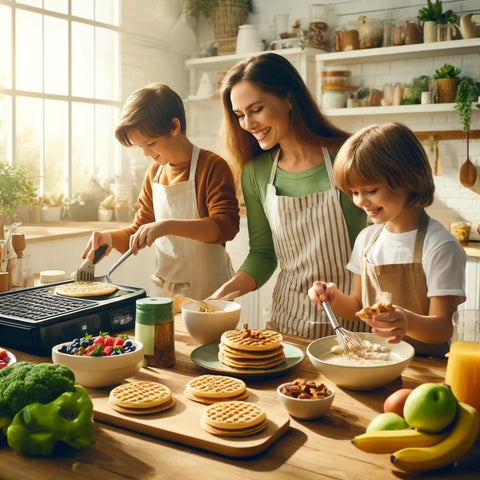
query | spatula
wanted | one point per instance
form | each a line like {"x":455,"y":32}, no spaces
{"x":106,"y":277}
{"x":87,"y":269}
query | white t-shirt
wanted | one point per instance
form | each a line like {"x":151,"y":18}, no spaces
{"x":443,"y":257}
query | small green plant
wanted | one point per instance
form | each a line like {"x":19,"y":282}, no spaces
{"x":467,"y":92}
{"x":16,"y":188}
{"x":447,"y":71}
{"x":197,"y":7}
{"x":433,"y":12}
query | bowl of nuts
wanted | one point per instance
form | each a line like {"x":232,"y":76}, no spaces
{"x":305,"y":399}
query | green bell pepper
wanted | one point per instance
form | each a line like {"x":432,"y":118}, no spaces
{"x":38,"y":427}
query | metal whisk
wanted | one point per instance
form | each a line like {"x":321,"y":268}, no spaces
{"x":349,"y":342}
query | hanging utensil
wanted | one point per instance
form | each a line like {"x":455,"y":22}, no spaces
{"x":468,"y":172}
{"x":349,"y":342}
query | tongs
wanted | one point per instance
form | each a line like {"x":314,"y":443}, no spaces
{"x":106,"y":277}
{"x":87,"y":269}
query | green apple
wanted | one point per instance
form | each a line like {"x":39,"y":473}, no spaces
{"x":387,"y":421}
{"x":430,"y":407}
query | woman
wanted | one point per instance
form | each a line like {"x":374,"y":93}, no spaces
{"x":187,"y":208}
{"x":277,"y":136}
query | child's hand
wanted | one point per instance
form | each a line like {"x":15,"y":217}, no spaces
{"x":390,"y":325}
{"x":321,"y":292}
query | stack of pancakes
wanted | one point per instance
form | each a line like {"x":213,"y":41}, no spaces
{"x":251,"y":349}
{"x":140,"y":398}
{"x":210,"y":389}
{"x":234,"y":419}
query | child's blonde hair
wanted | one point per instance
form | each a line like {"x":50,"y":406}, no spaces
{"x":388,"y":153}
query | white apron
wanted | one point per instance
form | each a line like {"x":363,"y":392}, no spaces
{"x":184,"y":266}
{"x":311,"y":243}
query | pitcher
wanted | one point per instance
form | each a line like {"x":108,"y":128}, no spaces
{"x":463,"y":366}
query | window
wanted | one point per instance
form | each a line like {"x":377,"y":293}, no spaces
{"x":59,"y":90}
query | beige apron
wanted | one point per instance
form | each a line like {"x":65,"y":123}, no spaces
{"x":184,"y":266}
{"x":311,"y":243}
{"x":393,"y":278}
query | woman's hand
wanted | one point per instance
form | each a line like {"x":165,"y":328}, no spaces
{"x":321,"y":292}
{"x":390,"y":325}
{"x":97,"y":239}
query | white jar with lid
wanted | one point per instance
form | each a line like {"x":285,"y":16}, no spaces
{"x":334,"y":98}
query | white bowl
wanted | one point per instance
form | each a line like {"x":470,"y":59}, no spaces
{"x":207,"y":327}
{"x":100,"y":371}
{"x":360,"y":377}
{"x":304,"y":408}
{"x":10,"y":360}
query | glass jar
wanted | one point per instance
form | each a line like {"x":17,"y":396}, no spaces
{"x":123,"y":202}
{"x":154,"y":328}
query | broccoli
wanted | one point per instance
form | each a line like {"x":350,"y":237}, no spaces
{"x":24,"y":383}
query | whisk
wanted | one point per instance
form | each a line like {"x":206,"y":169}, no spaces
{"x":349,"y":342}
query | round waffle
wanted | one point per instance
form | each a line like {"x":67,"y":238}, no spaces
{"x":234,"y":418}
{"x":368,"y":312}
{"x":242,"y":363}
{"x":85,"y":289}
{"x":140,"y":395}
{"x":215,"y":386}
{"x":252,"y":339}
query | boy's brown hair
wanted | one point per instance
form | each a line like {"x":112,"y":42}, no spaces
{"x":150,"y":110}
{"x":388,"y":153}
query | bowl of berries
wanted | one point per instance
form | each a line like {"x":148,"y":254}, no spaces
{"x":100,"y":361}
{"x":6,"y":358}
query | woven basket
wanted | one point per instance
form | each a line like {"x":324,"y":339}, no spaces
{"x":226,"y":46}
{"x":227,"y":16}
{"x":447,"y":90}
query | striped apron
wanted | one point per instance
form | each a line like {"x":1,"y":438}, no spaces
{"x":311,"y":242}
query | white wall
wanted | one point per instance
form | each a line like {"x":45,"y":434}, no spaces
{"x":147,"y":56}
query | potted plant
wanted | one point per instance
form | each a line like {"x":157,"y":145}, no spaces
{"x":432,"y":16}
{"x":467,"y":92}
{"x":447,"y":78}
{"x":52,"y":207}
{"x":105,"y":209}
{"x":16,"y":190}
{"x":226,"y":17}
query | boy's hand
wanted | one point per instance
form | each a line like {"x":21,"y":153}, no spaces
{"x":390,"y":325}
{"x":321,"y":292}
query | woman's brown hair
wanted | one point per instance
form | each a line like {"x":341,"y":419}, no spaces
{"x":388,"y":153}
{"x":150,"y":110}
{"x":274,"y":74}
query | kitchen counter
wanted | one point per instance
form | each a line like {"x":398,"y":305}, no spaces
{"x":310,"y":450}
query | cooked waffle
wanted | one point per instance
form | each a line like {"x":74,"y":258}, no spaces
{"x":144,"y":411}
{"x":250,"y":354}
{"x":252,"y":339}
{"x":368,"y":312}
{"x":215,"y":386}
{"x":249,"y":363}
{"x":85,"y":289}
{"x":140,"y":395}
{"x":235,"y":418}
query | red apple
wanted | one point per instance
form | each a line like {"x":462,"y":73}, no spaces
{"x":395,"y":401}
{"x":430,"y":407}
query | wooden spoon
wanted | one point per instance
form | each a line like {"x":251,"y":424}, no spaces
{"x":468,"y":172}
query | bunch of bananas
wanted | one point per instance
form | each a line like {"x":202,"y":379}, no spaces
{"x":414,"y":451}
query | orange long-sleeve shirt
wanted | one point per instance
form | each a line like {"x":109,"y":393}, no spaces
{"x":216,"y":197}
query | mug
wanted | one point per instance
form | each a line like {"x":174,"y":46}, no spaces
{"x":346,"y":40}
{"x":463,"y":365}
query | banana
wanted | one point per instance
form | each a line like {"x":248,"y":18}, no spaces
{"x":461,"y":437}
{"x":388,"y":441}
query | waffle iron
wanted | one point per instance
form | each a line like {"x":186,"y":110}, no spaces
{"x":35,"y":319}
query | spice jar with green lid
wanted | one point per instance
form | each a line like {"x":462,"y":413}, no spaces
{"x":154,"y":328}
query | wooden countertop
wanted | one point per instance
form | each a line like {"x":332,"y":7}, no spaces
{"x":308,"y":450}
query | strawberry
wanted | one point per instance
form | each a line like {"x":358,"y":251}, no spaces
{"x":3,"y":354}
{"x":107,"y":350}
{"x":118,"y":342}
{"x":99,"y":340}
{"x":108,"y":340}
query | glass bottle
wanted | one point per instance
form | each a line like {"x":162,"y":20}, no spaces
{"x":154,"y":328}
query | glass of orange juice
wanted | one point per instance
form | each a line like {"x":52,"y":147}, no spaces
{"x":463,"y":366}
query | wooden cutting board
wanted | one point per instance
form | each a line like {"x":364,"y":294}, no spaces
{"x":181,"y":423}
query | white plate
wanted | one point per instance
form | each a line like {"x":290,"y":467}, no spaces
{"x":206,"y":356}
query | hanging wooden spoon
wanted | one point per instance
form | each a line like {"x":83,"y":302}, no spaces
{"x":468,"y":172}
